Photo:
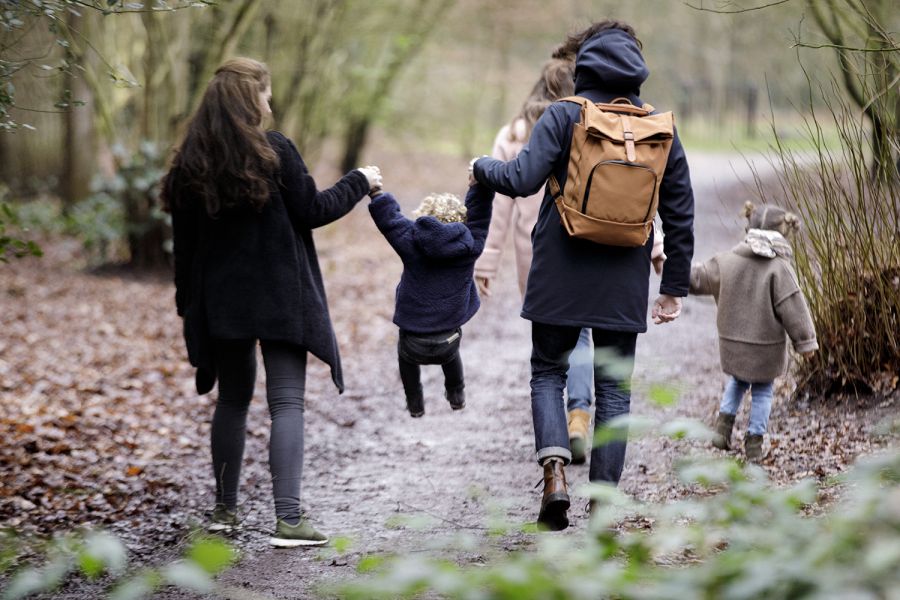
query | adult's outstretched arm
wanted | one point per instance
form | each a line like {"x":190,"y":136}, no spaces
{"x":308,"y":206}
{"x":529,"y":171}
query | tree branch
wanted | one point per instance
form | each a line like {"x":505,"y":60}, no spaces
{"x":847,"y":48}
{"x":736,"y":10}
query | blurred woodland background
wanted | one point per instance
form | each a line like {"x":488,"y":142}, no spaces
{"x":93,"y":95}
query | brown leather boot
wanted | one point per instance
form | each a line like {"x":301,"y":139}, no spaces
{"x":555,"y":502}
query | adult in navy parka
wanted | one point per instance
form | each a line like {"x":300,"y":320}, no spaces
{"x":575,"y":283}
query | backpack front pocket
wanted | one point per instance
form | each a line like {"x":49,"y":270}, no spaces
{"x":620,"y":191}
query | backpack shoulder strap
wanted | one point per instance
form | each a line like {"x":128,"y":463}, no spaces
{"x":575,"y":100}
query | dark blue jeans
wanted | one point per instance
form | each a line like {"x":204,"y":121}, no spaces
{"x":613,"y":365}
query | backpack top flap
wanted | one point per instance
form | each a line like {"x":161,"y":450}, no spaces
{"x":606,"y":120}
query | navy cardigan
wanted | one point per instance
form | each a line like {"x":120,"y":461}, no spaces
{"x":437,"y":289}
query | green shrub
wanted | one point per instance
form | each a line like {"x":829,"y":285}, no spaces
{"x":97,"y":554}
{"x":749,"y":541}
{"x":12,"y":242}
{"x":98,"y":222}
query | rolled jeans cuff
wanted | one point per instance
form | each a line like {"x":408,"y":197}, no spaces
{"x":557,"y":451}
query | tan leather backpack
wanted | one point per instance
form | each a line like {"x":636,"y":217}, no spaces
{"x":616,"y":163}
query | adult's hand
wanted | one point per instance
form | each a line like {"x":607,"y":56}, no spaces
{"x":472,"y":162}
{"x":373,"y":176}
{"x":484,"y":286}
{"x":666,"y":309}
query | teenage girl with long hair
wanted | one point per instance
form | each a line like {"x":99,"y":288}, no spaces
{"x":243,"y":209}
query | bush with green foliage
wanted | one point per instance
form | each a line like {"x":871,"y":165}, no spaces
{"x":11,"y":242}
{"x":750,"y":540}
{"x":97,"y":554}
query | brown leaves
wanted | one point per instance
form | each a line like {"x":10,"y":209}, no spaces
{"x":97,"y":412}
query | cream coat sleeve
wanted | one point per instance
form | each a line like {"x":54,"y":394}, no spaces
{"x":502,"y":219}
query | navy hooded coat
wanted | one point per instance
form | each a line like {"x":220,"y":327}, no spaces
{"x":437,"y":289}
{"x":250,"y":274}
{"x":577,"y":282}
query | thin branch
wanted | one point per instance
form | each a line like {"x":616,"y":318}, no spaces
{"x":122,"y":11}
{"x":840,"y":47}
{"x":736,"y":10}
{"x":38,"y":110}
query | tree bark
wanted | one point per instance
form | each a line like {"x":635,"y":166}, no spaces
{"x":80,"y":140}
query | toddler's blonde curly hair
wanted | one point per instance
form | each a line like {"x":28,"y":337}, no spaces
{"x":446,"y":208}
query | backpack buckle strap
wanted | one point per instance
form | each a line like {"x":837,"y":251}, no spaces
{"x":628,"y":134}
{"x":555,"y":191}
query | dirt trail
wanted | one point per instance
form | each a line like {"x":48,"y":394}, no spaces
{"x":368,"y":465}
{"x":368,"y":462}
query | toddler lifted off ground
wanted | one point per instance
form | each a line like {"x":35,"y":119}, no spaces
{"x":437,"y":293}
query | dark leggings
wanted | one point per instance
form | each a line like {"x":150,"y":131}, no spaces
{"x":285,"y":366}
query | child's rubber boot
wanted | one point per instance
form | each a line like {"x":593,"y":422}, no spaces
{"x":753,"y":448}
{"x":579,"y":427}
{"x":722,"y":431}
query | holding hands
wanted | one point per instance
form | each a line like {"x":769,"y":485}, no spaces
{"x":373,"y":176}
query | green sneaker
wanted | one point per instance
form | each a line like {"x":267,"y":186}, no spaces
{"x":301,"y":534}
{"x":223,"y":520}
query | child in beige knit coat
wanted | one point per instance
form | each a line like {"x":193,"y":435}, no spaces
{"x":760,"y":305}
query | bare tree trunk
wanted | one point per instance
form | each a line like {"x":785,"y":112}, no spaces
{"x":422,"y":24}
{"x":80,"y":143}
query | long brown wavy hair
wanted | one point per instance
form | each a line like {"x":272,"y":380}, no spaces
{"x":557,"y":81}
{"x":225,"y":160}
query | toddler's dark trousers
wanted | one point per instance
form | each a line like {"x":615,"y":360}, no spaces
{"x":285,"y":366}
{"x":440,"y":348}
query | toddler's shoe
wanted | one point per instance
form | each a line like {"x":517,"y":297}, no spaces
{"x":415,"y":406}
{"x":722,"y":430}
{"x":292,"y":536}
{"x":753,"y":447}
{"x":579,"y":425}
{"x":223,"y":520}
{"x":456,"y":397}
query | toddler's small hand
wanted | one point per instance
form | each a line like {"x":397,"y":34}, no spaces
{"x":808,"y":355}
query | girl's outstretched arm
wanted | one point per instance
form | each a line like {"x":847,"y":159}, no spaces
{"x":705,"y":278}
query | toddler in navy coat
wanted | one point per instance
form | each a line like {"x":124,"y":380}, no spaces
{"x":437,"y":292}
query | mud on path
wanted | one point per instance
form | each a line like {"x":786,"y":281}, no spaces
{"x":370,"y":470}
